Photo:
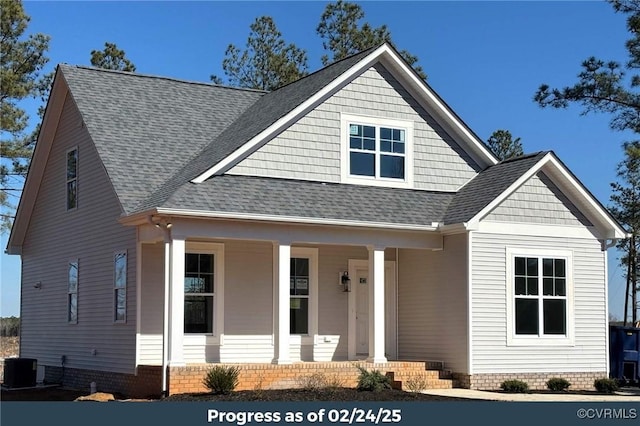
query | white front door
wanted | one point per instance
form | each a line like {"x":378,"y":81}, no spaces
{"x":361,"y":287}
{"x":360,"y":291}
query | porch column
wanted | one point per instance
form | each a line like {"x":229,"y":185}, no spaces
{"x":176,"y":303}
{"x":282,"y":272}
{"x":376,"y":305}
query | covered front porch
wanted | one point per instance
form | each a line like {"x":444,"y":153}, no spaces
{"x":247,"y":292}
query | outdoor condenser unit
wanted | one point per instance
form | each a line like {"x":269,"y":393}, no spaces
{"x":20,"y":372}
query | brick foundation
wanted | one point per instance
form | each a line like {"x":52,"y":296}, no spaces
{"x":147,"y":383}
{"x":270,"y":376}
{"x":536,"y":381}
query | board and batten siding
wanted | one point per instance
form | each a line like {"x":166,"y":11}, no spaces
{"x":538,"y":201}
{"x":432,"y":304}
{"x":491,"y":354}
{"x":310,"y":148}
{"x":91,"y":234}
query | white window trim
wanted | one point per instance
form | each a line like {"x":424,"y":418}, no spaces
{"x":546,"y":340}
{"x":115,"y":288}
{"x":69,"y":263}
{"x":67,"y":180}
{"x":312,"y":255}
{"x":217,"y":337}
{"x":346,"y":177}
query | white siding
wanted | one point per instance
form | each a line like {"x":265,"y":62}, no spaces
{"x":538,"y":201}
{"x":490,"y":351}
{"x":248,"y":334}
{"x":310,"y":148}
{"x":151,"y":297}
{"x":432,"y":304}
{"x":91,"y":234}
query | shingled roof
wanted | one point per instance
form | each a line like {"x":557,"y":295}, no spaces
{"x":155,"y":134}
{"x":487,"y":186}
{"x":312,"y":200}
{"x":145,"y":128}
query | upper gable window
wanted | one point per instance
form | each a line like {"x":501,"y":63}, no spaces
{"x":72,"y":179}
{"x":377,"y":151}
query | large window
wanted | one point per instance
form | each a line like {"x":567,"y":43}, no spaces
{"x":299,"y":300}
{"x":540,"y":294}
{"x":72,"y":179}
{"x":199,"y":292}
{"x":72,"y":292}
{"x":376,"y":151}
{"x":120,"y":287}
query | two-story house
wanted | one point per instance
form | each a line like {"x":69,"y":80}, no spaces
{"x":350,"y":216}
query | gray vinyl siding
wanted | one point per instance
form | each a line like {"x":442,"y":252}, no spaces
{"x":432,"y":304}
{"x":152,"y":309}
{"x":310,"y":148}
{"x":539,"y":201}
{"x":248,"y":287}
{"x":491,"y":354}
{"x":91,"y":234}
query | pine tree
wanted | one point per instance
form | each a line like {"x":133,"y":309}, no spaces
{"x":22,"y":58}
{"x":267,"y":62}
{"x":343,"y":35}
{"x":111,"y":58}
{"x":503,"y":145}
{"x":626,"y":208}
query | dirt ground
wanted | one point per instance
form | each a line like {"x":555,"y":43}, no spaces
{"x":9,"y":346}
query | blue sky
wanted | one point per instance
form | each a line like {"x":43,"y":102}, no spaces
{"x":486,"y":59}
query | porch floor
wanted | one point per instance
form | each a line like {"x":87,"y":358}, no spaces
{"x":406,"y":375}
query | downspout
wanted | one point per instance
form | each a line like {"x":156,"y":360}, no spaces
{"x":166,"y":230}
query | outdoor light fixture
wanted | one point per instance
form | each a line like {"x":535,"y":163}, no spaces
{"x":345,"y":281}
{"x":38,"y":285}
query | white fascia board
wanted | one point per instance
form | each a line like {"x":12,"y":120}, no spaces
{"x":280,"y":219}
{"x":593,"y":206}
{"x":549,"y":160}
{"x":424,"y":92}
{"x":35,"y":174}
{"x":292,"y":116}
{"x":481,"y":152}
{"x":506,"y":193}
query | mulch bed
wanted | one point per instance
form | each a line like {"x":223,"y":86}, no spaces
{"x":337,"y":394}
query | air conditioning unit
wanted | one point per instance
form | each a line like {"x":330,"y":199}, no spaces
{"x":20,"y":372}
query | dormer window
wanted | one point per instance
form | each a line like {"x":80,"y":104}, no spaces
{"x":376,"y":151}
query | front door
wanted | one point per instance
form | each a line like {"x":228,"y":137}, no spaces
{"x":360,"y":290}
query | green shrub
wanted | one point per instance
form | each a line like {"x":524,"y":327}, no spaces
{"x":605,"y":385}
{"x":221,"y":379}
{"x":372,"y":380}
{"x":558,"y":384}
{"x":514,"y":386}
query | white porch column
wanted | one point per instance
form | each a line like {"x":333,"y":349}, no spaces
{"x":282,"y":269}
{"x":176,"y":303}
{"x":376,"y":305}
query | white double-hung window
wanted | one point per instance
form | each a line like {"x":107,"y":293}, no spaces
{"x":540,"y":297}
{"x":377,"y":151}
